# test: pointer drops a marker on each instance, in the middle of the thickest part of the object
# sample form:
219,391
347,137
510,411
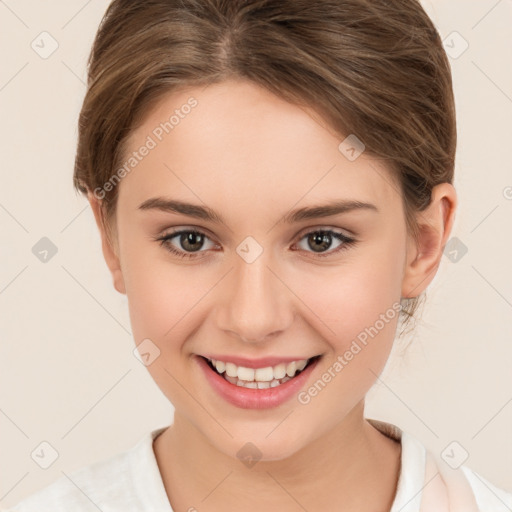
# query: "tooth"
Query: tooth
233,380
231,369
264,374
273,376
302,364
251,385
245,373
263,385
279,371
291,368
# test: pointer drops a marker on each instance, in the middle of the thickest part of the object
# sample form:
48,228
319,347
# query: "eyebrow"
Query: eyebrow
298,215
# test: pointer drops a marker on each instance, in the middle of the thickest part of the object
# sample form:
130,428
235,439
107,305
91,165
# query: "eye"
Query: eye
321,240
192,241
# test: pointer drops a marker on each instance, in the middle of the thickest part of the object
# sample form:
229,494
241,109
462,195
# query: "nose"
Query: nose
255,304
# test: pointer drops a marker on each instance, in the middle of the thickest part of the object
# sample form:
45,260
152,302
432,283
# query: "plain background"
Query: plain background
68,373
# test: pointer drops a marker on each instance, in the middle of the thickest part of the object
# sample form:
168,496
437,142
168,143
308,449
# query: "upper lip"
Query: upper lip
260,362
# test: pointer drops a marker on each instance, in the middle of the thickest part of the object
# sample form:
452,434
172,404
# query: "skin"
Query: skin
253,157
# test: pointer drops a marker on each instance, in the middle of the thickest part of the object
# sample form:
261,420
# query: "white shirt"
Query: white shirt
131,482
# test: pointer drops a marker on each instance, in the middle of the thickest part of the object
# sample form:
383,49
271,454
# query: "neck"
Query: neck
343,469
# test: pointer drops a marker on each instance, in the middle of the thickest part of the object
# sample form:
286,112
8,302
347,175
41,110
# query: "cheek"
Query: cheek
364,289
360,304
157,290
161,301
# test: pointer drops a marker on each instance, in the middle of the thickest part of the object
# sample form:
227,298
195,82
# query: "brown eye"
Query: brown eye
189,241
320,241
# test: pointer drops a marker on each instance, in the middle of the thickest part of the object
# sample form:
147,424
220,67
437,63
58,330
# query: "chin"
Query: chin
259,448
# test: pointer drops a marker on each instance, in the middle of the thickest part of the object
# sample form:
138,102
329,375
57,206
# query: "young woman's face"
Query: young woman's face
260,284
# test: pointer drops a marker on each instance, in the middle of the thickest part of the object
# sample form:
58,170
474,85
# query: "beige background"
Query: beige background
68,374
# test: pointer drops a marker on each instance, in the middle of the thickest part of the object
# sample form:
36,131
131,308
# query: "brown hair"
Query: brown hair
373,68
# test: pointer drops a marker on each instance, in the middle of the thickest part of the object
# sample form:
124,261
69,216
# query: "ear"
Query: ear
109,247
424,256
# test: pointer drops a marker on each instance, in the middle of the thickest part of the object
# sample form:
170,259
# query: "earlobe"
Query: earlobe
108,247
434,225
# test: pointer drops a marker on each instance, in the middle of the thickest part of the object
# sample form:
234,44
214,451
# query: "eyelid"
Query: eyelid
308,229
342,231
346,241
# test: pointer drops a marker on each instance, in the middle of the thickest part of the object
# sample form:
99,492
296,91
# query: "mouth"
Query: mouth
259,378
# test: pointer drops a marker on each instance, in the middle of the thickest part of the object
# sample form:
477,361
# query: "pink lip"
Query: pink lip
261,362
246,398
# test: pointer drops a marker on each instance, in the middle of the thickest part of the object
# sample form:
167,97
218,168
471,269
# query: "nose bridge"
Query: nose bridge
255,299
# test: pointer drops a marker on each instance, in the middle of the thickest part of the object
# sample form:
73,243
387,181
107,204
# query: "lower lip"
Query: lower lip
248,398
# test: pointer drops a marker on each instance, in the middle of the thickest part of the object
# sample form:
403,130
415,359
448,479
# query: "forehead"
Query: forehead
234,141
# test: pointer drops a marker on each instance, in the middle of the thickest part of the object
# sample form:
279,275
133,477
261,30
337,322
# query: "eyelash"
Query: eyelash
164,241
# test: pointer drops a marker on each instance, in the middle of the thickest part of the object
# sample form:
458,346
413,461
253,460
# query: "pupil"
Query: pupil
321,238
191,239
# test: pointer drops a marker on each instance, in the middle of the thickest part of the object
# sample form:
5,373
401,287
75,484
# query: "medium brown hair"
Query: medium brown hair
373,68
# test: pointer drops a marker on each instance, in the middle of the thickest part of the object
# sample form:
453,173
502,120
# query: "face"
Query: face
261,285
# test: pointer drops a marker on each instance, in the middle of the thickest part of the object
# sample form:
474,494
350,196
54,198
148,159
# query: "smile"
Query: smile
260,384
258,378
